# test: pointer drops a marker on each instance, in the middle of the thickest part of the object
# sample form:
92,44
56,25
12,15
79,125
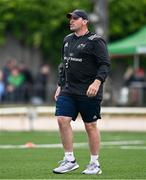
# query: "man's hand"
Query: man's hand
57,93
93,88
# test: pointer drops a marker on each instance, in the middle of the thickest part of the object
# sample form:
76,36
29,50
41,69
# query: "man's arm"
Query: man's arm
103,60
61,74
103,63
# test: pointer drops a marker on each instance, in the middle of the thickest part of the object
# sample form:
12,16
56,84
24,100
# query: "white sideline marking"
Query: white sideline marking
39,146
133,147
123,142
76,145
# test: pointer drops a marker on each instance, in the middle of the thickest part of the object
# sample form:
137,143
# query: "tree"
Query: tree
38,23
42,23
125,17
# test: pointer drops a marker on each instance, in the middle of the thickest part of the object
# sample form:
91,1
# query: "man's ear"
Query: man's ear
85,21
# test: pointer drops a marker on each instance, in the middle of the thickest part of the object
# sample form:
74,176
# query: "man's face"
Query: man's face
75,23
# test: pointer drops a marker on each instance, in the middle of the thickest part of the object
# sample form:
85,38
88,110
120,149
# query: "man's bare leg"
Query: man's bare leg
66,133
93,137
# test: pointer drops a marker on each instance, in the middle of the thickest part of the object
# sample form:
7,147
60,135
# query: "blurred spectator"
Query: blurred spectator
26,72
139,75
2,86
17,83
41,83
137,87
7,69
133,87
15,91
128,76
28,80
134,76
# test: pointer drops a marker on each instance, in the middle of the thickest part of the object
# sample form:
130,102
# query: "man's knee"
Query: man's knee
91,126
63,121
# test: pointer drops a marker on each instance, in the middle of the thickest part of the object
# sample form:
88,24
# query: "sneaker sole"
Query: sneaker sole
98,173
62,172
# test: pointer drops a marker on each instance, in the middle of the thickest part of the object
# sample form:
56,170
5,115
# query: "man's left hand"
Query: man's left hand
93,88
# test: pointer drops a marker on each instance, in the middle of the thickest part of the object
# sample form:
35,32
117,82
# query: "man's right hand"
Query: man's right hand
57,92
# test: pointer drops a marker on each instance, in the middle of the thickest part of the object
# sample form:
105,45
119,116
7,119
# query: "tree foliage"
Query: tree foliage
38,23
42,23
126,17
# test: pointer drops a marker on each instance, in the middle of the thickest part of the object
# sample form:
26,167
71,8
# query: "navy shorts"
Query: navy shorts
70,106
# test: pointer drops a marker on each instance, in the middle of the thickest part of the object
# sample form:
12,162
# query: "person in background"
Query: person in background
7,68
41,82
2,86
85,66
28,80
15,90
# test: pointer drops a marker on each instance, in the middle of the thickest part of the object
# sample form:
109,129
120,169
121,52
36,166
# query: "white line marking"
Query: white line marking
123,142
31,145
76,145
133,147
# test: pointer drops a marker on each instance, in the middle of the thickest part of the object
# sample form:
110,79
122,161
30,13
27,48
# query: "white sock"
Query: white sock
94,158
69,156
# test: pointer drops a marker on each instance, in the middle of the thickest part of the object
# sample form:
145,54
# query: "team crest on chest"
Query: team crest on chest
81,46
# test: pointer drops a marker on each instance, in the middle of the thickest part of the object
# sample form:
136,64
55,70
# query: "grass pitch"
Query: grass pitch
122,156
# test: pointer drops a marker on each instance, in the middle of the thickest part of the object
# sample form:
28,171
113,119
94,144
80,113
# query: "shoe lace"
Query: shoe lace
92,166
63,162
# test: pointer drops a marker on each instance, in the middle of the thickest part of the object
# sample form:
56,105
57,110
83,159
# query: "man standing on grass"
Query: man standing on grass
82,73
